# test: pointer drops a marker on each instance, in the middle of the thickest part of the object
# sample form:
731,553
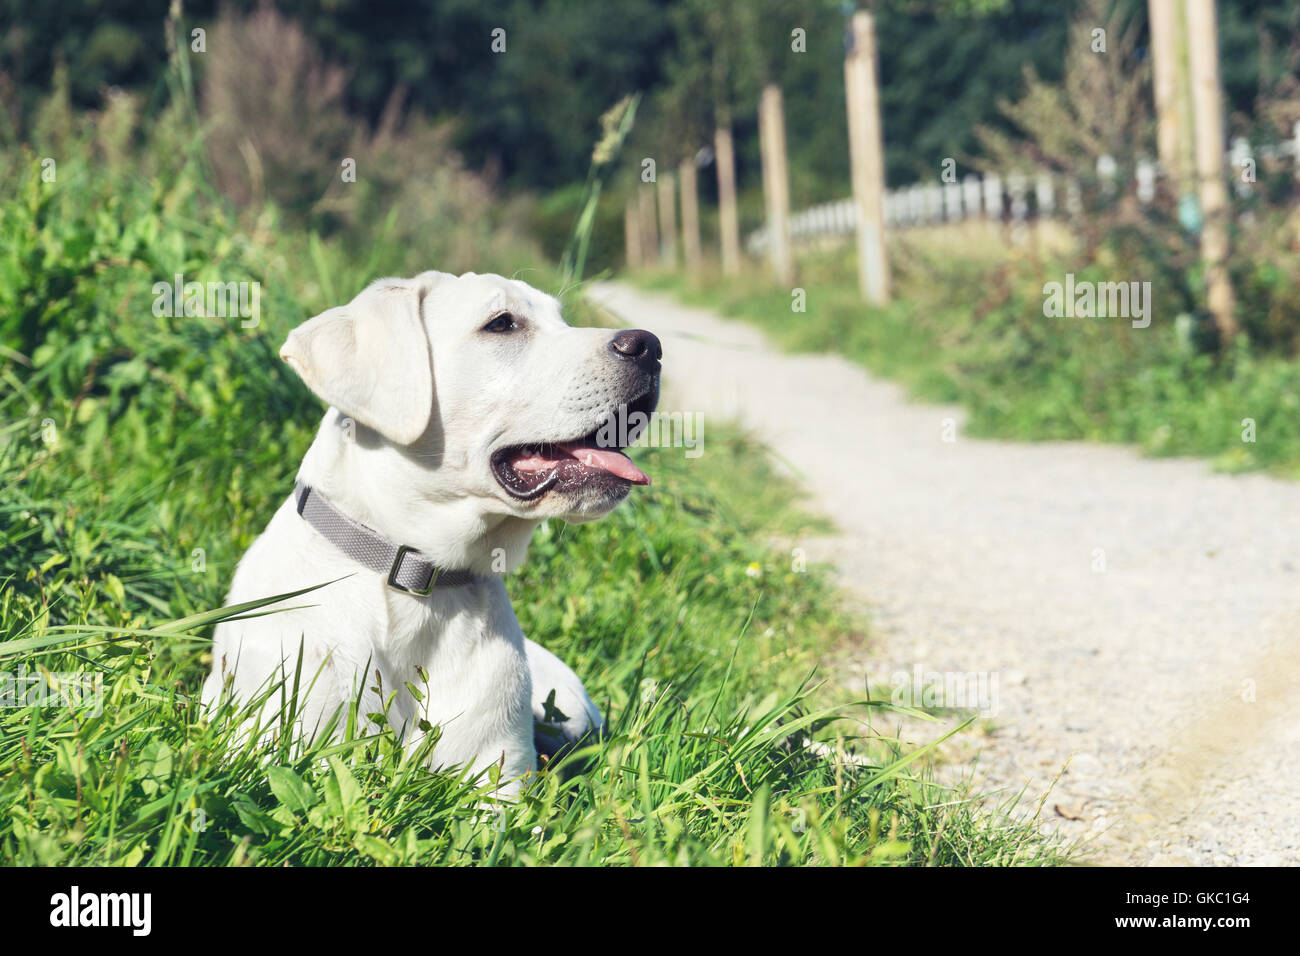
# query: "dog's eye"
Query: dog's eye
505,322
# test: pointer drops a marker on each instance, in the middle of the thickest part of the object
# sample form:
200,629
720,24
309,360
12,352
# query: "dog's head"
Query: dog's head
479,382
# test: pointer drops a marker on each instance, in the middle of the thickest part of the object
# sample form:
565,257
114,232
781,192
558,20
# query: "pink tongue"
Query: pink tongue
607,459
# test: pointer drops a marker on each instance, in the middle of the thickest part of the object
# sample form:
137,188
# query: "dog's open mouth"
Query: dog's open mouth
531,470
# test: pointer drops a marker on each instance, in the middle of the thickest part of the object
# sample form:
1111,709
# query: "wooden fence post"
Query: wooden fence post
1169,74
649,227
776,182
728,219
667,220
866,157
1203,45
690,216
632,238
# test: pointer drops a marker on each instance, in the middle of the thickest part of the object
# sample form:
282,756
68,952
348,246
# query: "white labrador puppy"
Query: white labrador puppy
464,411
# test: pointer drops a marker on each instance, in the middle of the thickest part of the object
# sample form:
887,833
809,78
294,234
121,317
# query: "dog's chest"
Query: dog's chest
461,650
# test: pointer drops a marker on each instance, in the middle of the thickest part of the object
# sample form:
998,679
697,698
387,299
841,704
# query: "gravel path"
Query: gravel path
1137,619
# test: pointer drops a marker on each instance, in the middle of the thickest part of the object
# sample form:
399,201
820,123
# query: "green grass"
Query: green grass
971,332
139,457
702,669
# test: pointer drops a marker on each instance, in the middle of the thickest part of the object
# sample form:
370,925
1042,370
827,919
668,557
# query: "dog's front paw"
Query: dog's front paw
554,730
563,714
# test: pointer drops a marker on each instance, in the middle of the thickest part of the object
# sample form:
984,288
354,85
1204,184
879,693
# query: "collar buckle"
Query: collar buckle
402,551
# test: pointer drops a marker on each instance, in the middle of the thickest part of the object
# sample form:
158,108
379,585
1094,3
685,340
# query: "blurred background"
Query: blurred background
471,129
412,88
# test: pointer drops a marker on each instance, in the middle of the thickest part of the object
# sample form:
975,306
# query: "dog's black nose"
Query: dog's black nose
639,346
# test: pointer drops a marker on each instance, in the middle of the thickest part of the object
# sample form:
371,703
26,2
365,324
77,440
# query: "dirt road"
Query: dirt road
1136,618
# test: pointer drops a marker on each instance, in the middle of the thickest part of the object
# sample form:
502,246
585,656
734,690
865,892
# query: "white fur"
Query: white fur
420,397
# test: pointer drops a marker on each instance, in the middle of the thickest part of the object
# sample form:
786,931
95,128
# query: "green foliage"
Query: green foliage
532,111
550,221
1099,108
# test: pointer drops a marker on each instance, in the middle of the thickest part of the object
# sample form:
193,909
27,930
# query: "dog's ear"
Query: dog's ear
370,358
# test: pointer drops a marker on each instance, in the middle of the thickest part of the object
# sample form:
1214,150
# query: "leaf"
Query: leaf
377,849
343,790
113,585
291,790
253,818
156,762
285,817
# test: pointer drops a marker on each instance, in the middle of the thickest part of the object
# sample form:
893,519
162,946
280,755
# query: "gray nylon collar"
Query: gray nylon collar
404,568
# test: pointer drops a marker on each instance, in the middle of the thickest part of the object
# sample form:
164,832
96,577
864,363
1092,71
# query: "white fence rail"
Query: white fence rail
1017,198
